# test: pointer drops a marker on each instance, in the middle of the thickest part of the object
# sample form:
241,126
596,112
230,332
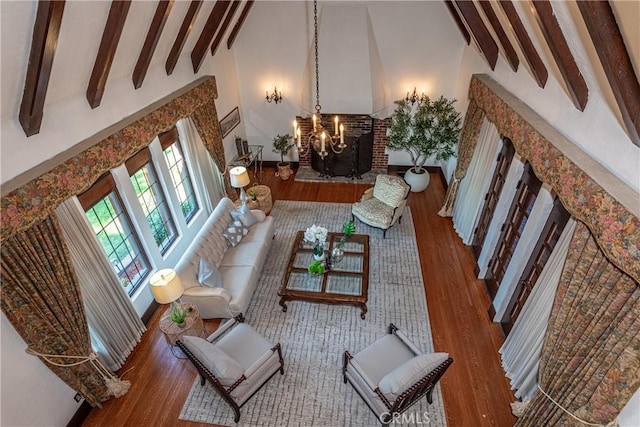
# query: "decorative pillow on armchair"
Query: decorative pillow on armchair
217,361
235,232
410,372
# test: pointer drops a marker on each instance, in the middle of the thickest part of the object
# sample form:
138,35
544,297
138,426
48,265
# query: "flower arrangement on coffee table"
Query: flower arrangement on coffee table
317,236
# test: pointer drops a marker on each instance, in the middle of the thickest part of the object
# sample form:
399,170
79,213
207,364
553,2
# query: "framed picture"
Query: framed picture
229,122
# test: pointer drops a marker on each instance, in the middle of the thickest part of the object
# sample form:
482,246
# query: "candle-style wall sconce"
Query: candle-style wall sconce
276,96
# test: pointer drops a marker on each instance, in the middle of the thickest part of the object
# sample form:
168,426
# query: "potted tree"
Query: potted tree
282,144
431,129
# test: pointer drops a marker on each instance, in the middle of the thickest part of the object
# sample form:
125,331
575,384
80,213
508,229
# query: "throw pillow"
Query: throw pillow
235,232
410,372
244,215
208,274
217,361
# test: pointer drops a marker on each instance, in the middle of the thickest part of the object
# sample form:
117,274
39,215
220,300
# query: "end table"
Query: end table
193,325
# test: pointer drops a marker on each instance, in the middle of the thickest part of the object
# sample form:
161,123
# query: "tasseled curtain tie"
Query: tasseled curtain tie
115,386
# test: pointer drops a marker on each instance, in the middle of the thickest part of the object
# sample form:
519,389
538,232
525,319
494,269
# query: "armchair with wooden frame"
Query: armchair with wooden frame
392,374
236,360
382,205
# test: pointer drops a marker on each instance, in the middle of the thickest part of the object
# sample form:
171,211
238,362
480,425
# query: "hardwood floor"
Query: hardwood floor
475,391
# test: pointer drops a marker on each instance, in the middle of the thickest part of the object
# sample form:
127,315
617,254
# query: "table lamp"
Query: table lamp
239,178
166,286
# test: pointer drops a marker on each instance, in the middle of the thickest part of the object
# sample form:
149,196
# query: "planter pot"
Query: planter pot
284,170
417,180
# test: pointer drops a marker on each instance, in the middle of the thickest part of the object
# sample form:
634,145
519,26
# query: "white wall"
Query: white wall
598,130
409,44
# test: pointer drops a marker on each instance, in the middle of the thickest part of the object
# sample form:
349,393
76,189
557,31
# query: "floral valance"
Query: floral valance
615,227
35,200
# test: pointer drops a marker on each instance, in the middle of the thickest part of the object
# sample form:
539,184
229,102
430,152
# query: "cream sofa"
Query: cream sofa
240,266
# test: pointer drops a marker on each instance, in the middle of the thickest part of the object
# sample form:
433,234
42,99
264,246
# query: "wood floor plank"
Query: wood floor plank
474,389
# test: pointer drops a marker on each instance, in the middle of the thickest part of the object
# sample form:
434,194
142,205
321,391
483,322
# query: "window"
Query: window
179,173
550,235
521,207
503,162
113,228
151,198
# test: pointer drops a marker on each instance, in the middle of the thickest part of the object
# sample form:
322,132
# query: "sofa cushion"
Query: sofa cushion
208,274
235,231
244,215
240,282
213,358
247,253
410,372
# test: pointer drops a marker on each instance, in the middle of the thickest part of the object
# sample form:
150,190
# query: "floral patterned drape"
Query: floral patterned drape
615,228
35,200
41,298
590,362
210,135
468,140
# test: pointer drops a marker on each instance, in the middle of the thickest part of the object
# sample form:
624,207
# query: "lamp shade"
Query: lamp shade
166,286
239,177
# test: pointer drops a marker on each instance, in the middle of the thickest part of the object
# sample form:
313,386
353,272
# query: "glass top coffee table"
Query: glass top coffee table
345,282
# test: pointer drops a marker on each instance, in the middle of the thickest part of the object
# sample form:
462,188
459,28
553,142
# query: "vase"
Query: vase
417,178
320,257
337,254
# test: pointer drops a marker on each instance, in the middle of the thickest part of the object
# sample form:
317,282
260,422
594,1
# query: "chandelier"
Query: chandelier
319,138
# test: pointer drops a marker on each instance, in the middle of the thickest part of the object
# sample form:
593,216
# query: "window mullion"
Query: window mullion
138,218
167,186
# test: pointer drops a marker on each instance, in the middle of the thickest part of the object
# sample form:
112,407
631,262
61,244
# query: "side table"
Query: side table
193,325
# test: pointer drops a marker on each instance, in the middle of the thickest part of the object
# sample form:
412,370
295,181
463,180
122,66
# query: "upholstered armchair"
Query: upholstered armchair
382,205
392,374
235,359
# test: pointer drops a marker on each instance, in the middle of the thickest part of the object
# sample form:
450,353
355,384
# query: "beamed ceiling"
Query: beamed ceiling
493,26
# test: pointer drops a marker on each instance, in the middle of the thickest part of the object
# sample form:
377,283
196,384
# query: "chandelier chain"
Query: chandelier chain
315,28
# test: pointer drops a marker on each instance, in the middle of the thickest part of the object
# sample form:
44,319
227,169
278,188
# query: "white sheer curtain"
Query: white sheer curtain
475,184
205,172
529,236
500,214
521,350
113,322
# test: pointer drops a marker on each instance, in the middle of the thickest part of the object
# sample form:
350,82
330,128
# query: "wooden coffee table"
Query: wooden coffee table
347,282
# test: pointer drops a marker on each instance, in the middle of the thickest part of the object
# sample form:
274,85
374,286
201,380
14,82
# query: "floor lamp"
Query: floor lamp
239,178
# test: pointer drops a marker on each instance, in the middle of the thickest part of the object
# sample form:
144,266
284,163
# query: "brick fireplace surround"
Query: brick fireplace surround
355,125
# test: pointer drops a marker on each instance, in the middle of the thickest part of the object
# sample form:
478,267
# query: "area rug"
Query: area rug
307,174
315,336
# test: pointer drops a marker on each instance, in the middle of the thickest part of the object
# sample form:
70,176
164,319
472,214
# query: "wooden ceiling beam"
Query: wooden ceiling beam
238,26
458,21
607,39
578,91
183,34
480,32
538,68
509,51
155,30
107,50
209,30
225,25
43,48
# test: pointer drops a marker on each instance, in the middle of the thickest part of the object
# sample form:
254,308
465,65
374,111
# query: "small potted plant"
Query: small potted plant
253,194
316,268
178,314
432,129
282,144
